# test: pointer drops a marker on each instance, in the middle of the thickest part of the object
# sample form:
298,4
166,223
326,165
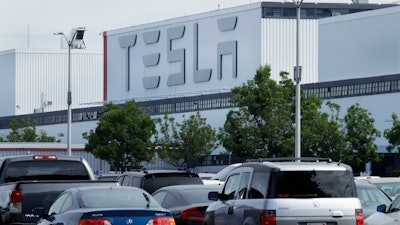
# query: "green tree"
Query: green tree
25,131
185,144
360,134
262,123
321,132
333,142
393,134
122,136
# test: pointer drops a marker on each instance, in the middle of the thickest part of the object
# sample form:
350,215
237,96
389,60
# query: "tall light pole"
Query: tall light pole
74,42
297,79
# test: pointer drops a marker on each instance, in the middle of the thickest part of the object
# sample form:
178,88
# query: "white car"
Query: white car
385,215
220,177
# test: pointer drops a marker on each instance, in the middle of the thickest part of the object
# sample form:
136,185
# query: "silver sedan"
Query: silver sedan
386,215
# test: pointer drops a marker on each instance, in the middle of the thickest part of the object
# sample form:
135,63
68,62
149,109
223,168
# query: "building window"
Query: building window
272,12
323,13
368,88
289,12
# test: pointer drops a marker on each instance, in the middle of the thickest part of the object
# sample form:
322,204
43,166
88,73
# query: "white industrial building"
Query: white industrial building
190,63
358,57
35,81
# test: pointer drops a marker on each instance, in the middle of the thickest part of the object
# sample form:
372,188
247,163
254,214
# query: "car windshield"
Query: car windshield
116,198
371,196
312,184
222,174
391,188
153,182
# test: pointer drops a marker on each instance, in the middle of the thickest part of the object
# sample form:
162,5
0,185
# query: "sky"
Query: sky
32,23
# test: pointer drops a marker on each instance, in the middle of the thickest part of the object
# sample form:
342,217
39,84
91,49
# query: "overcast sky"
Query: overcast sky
32,23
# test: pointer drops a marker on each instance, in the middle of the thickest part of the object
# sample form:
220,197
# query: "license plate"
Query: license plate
316,223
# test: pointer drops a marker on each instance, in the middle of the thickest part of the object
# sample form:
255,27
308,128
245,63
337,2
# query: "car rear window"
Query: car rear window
45,170
116,198
153,182
312,184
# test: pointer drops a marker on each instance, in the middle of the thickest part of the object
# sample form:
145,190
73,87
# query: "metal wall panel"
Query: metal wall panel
42,76
359,45
7,84
278,38
214,52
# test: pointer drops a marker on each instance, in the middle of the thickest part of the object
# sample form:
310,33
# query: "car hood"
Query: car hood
379,218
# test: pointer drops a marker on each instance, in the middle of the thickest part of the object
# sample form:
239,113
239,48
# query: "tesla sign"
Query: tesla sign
177,55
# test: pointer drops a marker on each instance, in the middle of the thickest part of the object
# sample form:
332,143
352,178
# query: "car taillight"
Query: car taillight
268,217
16,201
192,214
44,157
98,221
161,221
359,217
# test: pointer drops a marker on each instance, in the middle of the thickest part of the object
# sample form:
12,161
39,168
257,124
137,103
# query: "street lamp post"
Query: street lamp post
297,79
76,42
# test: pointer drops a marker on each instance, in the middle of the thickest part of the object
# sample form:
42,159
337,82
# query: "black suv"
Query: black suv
152,180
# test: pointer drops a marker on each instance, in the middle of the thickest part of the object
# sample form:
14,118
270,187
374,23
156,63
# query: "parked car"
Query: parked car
105,205
371,196
220,177
108,176
29,181
390,185
386,215
152,180
186,202
287,191
206,175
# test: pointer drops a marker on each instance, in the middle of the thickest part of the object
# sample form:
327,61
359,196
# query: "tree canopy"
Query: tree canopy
262,123
185,144
360,136
393,134
25,131
122,136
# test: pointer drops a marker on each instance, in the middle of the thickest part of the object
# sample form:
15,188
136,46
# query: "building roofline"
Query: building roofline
242,8
327,5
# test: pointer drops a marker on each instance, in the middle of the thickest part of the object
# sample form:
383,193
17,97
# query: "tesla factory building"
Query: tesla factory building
190,64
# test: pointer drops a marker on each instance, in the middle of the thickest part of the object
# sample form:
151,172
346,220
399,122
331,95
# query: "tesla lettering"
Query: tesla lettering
178,56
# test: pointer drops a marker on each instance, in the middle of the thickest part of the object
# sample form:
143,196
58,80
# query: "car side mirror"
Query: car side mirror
213,196
381,208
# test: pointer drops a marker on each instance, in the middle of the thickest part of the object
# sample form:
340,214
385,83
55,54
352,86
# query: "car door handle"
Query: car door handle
337,213
230,210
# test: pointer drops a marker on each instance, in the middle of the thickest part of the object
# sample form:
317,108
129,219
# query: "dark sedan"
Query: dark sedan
106,205
186,202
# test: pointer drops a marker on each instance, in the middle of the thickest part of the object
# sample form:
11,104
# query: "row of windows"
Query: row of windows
306,13
187,106
61,117
342,89
379,87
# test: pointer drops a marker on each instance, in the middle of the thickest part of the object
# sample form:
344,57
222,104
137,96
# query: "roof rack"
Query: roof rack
291,159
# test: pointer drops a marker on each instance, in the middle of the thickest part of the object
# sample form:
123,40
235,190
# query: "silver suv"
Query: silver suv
287,191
